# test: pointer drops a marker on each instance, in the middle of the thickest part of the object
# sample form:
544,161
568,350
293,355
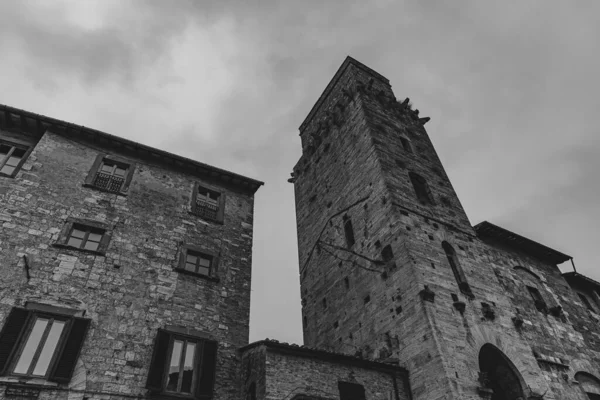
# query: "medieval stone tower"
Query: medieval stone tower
392,270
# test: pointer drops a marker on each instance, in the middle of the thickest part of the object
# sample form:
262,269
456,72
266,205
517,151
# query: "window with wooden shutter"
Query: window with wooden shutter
110,174
182,365
208,203
42,345
12,157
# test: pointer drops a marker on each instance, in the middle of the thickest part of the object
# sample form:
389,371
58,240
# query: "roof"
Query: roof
583,278
486,230
305,351
38,124
347,63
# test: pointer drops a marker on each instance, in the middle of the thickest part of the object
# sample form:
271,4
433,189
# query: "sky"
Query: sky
511,88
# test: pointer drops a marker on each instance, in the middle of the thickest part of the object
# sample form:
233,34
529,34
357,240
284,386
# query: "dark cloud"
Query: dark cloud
511,89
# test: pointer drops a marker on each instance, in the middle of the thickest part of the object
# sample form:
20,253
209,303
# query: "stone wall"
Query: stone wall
132,290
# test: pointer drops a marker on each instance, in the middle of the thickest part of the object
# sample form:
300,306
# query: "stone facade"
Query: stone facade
390,266
132,288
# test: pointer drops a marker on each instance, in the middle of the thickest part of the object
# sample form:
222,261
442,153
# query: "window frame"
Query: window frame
194,209
64,354
171,333
539,303
100,160
70,223
424,196
15,144
457,270
214,267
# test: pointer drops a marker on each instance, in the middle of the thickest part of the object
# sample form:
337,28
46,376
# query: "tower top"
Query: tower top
347,66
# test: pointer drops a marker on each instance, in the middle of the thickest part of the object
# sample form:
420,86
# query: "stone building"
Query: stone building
391,268
125,272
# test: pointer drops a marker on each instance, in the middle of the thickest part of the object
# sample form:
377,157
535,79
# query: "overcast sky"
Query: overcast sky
512,88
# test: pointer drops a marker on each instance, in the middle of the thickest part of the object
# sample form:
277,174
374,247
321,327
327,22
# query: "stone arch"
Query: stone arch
589,384
499,374
513,347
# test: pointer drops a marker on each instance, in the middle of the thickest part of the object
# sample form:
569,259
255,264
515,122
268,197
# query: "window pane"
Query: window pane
190,267
74,242
107,168
13,161
188,368
94,237
7,170
19,153
91,245
77,233
204,262
119,172
4,149
191,259
204,271
174,366
31,346
43,361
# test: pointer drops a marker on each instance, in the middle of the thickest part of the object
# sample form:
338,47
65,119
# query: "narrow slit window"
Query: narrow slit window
457,270
348,232
422,190
11,157
406,144
537,298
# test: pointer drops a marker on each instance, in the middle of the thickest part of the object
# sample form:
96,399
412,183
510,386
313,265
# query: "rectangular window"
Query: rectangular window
198,262
41,344
11,158
85,237
421,188
348,232
406,144
182,365
351,391
110,174
208,203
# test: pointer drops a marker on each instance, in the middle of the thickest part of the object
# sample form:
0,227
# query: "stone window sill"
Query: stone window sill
90,186
67,247
214,221
206,277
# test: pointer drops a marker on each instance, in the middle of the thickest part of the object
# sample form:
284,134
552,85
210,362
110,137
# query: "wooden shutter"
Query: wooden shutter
221,212
69,353
128,178
159,361
11,333
351,391
104,242
89,180
206,381
195,187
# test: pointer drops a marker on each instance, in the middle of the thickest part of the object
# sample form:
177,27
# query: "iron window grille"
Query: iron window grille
11,158
208,203
110,174
41,344
182,365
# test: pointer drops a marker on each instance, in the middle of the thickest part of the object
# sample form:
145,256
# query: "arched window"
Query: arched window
421,188
589,384
498,373
459,275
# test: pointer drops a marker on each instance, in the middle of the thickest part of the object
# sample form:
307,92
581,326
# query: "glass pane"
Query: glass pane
77,233
31,346
19,153
188,368
191,259
4,149
49,347
107,168
91,245
190,267
74,242
13,161
120,172
174,366
94,237
204,262
7,170
204,271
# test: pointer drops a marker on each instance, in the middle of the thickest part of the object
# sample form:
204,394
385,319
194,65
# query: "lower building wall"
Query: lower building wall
291,375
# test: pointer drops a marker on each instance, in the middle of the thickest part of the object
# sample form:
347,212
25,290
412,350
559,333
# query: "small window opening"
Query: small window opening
387,254
348,232
347,282
537,298
457,270
406,144
367,299
324,303
351,391
421,188
85,237
304,322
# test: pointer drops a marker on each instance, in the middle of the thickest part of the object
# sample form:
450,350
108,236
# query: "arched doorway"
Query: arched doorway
500,374
589,384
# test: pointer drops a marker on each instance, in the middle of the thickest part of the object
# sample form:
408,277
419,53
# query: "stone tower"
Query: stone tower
391,268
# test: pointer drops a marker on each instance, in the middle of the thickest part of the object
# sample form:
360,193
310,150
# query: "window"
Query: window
208,203
12,157
351,391
537,298
348,232
421,188
84,235
406,144
586,301
197,261
110,174
457,270
183,364
36,343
